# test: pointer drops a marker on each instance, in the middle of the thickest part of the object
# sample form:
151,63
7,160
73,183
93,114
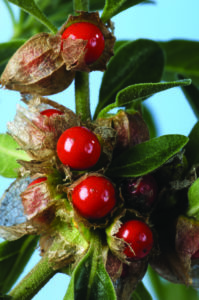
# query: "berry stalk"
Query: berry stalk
34,281
82,98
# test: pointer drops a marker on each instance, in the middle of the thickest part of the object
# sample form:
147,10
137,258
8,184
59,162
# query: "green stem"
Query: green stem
156,284
82,95
81,5
34,281
82,99
106,109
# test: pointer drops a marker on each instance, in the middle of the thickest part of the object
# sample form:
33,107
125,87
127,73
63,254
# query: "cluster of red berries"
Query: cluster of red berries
95,196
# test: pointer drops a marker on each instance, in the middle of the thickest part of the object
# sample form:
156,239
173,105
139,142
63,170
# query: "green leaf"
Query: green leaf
57,12
14,256
193,196
147,157
142,90
140,61
141,293
89,279
7,50
119,44
191,149
192,94
31,7
113,7
9,153
182,58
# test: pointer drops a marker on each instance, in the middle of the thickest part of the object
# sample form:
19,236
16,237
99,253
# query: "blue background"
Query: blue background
163,21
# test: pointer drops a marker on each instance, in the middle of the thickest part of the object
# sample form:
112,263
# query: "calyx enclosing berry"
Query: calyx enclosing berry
78,148
91,34
138,239
94,197
86,43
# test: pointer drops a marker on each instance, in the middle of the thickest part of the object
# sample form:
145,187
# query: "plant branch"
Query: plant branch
82,95
82,98
81,5
34,281
106,109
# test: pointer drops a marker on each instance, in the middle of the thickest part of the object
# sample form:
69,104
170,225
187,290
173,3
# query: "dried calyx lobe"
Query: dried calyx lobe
37,67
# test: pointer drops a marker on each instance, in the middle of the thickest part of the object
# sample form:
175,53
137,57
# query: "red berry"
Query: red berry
143,189
79,148
51,112
91,33
38,180
139,237
94,197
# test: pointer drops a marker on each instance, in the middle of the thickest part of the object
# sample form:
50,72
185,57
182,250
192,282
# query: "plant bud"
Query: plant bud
37,67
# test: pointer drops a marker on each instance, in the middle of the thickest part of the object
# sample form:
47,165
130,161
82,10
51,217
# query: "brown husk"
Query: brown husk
37,67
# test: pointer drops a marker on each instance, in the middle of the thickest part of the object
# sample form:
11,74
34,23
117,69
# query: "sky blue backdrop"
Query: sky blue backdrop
166,20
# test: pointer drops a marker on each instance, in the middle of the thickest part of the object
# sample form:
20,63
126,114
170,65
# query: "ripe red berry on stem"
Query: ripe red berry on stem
139,237
79,148
51,112
38,180
94,197
91,33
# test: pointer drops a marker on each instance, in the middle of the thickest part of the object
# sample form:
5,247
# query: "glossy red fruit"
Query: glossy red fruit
51,112
143,189
139,237
38,180
94,197
79,148
91,33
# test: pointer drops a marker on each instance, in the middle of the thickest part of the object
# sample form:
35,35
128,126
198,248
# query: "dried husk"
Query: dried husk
37,67
174,262
125,286
125,277
131,129
37,134
35,199
107,138
73,51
